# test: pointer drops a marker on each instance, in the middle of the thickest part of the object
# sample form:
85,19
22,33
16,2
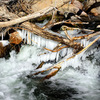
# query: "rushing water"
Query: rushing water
78,79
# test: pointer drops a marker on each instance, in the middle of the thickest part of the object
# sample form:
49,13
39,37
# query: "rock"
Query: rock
15,38
3,50
78,4
5,1
92,6
41,4
70,8
95,12
6,49
1,45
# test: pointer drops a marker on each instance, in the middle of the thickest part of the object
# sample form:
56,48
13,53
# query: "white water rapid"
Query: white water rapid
78,79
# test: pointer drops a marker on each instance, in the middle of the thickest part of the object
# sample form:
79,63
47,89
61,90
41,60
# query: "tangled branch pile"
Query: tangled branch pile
65,14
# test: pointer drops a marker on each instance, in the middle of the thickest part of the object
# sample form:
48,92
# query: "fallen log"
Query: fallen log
45,34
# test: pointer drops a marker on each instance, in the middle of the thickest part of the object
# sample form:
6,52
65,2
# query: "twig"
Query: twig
64,29
56,50
59,64
64,22
86,36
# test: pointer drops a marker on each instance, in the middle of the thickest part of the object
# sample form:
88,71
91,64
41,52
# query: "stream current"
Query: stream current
78,79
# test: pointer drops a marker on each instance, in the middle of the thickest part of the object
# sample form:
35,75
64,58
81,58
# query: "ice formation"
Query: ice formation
48,56
80,73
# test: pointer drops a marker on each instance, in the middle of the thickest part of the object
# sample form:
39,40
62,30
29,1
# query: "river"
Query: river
78,79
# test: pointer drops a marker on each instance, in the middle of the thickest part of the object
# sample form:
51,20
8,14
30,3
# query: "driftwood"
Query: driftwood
45,34
25,18
30,16
64,22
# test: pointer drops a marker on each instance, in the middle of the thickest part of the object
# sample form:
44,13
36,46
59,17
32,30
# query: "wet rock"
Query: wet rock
15,38
5,49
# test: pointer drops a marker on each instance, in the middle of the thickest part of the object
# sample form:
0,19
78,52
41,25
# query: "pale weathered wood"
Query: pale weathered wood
25,18
88,36
32,16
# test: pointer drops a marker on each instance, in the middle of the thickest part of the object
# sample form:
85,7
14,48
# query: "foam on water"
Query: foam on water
80,73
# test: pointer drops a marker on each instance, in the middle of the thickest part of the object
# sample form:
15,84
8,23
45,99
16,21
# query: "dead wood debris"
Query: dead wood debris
22,14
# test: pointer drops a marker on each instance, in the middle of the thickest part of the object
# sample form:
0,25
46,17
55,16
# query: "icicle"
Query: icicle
50,44
43,58
47,57
63,52
25,36
28,38
39,42
4,42
47,42
20,33
43,42
57,56
33,38
52,56
2,35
